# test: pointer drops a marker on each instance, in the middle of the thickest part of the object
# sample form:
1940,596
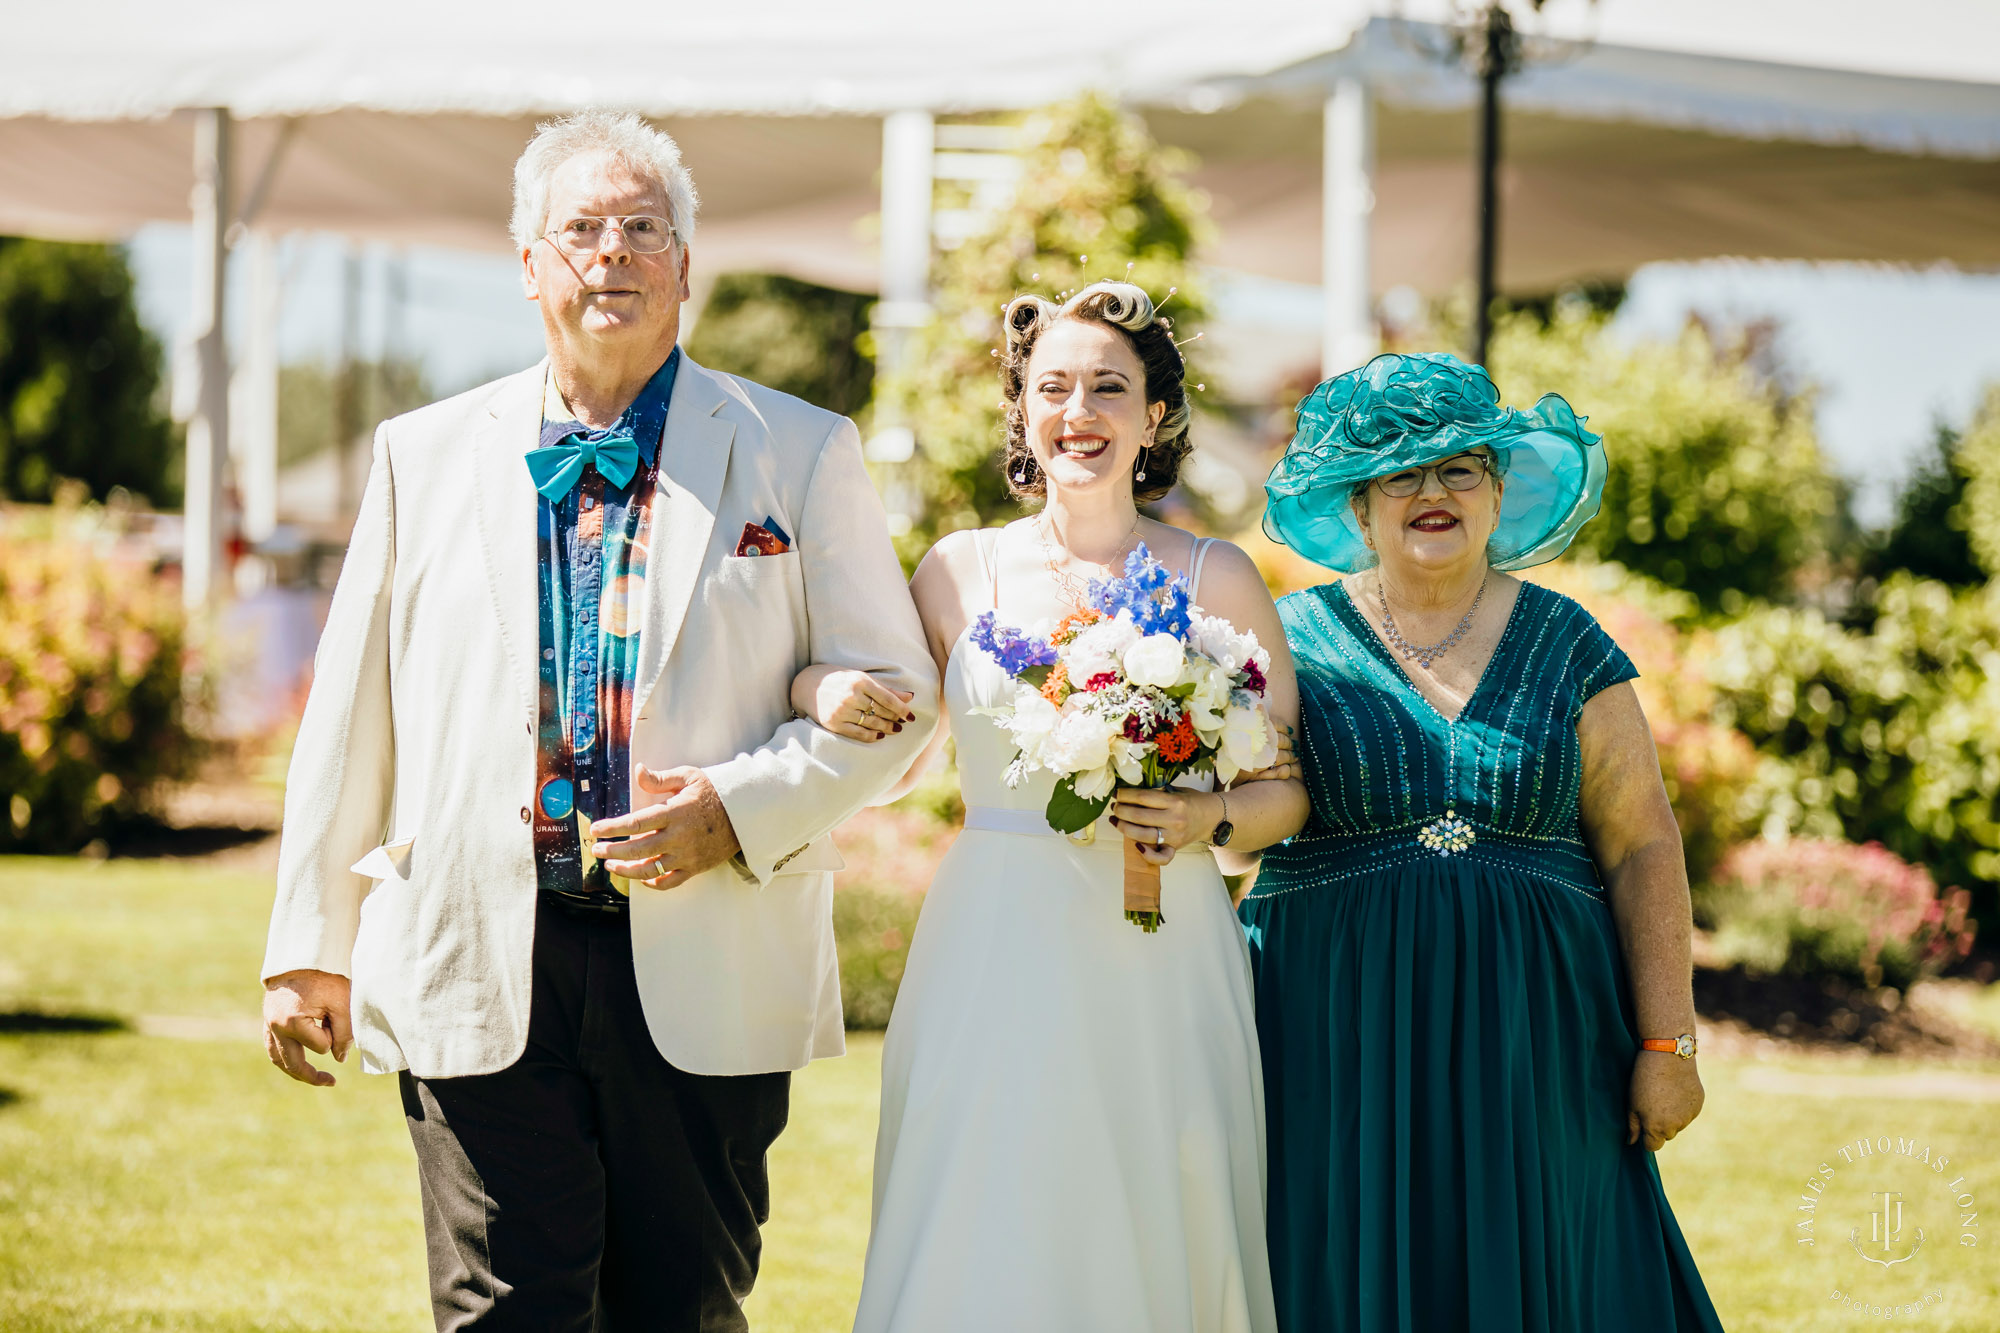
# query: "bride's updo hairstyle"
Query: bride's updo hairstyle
1127,308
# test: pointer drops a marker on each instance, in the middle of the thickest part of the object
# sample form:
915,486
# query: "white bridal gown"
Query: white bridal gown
1072,1129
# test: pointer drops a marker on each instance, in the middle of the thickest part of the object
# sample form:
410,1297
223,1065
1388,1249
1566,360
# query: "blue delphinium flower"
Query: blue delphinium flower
1011,648
1153,599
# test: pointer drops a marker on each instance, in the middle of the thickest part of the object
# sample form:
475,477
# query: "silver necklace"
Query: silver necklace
1424,656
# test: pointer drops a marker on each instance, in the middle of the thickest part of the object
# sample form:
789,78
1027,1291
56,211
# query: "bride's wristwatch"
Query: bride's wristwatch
1219,836
1683,1045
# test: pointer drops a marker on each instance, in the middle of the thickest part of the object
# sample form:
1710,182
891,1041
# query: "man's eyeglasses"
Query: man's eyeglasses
1460,472
644,234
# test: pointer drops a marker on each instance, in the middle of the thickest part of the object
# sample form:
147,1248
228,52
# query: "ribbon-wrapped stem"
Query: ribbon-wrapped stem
1142,889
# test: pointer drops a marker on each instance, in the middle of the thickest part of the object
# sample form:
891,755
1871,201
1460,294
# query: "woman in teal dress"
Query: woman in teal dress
1472,965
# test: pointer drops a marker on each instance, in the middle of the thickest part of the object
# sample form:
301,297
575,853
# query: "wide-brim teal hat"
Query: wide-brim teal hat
1405,411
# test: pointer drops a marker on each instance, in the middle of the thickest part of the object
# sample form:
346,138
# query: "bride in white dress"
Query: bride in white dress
1072,1132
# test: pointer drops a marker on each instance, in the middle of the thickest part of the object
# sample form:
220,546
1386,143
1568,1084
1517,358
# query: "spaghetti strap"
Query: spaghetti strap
989,563
1201,546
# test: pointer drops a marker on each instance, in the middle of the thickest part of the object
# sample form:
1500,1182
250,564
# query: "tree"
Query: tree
1927,538
1717,483
314,398
1978,456
794,336
79,377
1095,194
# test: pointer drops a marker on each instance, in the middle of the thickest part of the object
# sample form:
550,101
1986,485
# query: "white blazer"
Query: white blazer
407,861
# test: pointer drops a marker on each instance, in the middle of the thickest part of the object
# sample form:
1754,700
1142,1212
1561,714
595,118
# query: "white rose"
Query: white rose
1215,637
1155,660
1098,648
1129,758
1034,718
1081,740
1209,700
1096,784
1246,743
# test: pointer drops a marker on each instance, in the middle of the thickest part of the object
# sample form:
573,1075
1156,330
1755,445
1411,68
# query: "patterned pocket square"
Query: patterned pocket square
757,539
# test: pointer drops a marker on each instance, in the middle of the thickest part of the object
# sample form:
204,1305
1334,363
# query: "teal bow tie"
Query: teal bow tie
556,467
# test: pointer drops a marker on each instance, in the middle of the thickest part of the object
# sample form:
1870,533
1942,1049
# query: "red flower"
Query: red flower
1103,680
1177,743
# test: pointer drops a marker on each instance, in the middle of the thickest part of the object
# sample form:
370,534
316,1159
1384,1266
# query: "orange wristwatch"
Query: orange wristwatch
1683,1045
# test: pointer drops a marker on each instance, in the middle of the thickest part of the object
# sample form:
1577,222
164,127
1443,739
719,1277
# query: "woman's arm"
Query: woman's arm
1630,829
948,591
1262,812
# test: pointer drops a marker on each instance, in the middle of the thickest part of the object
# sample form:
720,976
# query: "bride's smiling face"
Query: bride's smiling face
1084,406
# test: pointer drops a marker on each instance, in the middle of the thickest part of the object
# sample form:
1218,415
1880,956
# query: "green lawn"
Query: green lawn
156,1173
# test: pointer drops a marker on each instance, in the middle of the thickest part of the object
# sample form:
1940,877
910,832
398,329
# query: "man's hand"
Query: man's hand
671,841
306,1011
1666,1097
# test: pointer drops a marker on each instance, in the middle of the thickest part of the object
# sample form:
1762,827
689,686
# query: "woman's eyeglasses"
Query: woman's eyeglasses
1460,472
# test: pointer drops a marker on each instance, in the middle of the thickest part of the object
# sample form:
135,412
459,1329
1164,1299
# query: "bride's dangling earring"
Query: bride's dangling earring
1140,475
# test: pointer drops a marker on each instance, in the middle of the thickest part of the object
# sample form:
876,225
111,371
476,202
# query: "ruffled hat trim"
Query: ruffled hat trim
1402,411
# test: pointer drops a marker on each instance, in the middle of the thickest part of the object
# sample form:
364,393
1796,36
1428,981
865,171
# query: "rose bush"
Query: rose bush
1832,909
92,659
1888,736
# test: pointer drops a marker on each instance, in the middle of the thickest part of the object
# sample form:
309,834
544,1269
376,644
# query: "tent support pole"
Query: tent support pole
909,142
254,414
1348,204
208,426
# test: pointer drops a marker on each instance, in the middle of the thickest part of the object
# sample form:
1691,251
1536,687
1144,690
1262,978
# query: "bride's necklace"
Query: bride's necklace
1424,656
1073,588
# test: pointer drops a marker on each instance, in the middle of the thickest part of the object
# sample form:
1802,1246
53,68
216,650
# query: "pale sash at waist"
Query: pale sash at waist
1005,819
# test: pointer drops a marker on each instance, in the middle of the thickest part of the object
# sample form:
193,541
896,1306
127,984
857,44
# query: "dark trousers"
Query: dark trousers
591,1186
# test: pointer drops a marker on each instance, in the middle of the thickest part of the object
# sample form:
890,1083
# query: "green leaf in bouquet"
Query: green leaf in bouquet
1070,813
1036,676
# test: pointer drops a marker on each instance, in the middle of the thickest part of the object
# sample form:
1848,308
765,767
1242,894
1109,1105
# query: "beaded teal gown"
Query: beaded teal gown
1447,1031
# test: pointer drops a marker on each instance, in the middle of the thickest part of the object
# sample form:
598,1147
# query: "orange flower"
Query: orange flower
1056,688
1067,627
1177,745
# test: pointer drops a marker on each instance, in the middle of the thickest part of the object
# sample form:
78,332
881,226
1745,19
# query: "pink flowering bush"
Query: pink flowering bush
1834,909
91,664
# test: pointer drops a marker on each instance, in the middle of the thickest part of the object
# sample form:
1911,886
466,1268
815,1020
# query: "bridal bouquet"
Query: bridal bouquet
1139,687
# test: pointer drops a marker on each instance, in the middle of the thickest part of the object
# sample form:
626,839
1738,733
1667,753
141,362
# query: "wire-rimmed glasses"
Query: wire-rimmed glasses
583,236
1460,472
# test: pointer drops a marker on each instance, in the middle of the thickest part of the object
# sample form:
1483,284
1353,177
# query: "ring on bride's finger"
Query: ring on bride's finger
1159,837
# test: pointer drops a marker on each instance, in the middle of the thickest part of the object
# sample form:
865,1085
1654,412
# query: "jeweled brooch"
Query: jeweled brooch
1447,835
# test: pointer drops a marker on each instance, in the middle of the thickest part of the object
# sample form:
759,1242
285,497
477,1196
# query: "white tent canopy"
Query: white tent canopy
1331,141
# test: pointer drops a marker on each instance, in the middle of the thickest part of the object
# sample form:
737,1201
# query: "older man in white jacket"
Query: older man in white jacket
567,629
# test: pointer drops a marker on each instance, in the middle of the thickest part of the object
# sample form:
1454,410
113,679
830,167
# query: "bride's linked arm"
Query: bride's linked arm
1261,812
855,705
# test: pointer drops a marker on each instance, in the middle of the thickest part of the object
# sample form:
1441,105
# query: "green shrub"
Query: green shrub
1833,910
92,652
1708,769
1093,184
1891,736
79,377
796,337
1977,456
1717,484
872,929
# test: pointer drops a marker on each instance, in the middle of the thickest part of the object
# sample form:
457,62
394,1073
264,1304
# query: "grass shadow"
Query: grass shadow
141,838
8,1097
35,1023
1816,1012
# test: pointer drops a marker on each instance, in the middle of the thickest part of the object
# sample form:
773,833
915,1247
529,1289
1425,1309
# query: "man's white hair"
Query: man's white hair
622,135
